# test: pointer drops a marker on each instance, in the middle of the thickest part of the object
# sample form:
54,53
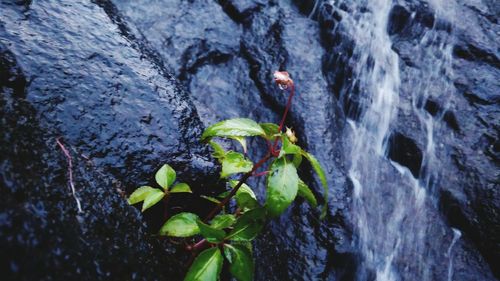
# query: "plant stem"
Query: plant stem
272,152
198,245
235,189
165,200
282,123
288,105
261,174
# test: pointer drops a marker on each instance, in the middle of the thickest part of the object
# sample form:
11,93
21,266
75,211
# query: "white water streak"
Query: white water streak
400,232
456,235
377,72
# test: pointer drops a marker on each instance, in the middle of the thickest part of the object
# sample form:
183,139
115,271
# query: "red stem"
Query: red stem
261,174
200,244
282,123
272,152
235,189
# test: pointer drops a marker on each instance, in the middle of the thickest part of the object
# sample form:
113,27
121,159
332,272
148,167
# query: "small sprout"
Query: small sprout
149,195
291,135
165,177
227,231
282,78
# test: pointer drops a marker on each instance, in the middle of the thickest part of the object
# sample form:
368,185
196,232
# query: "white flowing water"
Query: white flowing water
456,235
381,83
392,214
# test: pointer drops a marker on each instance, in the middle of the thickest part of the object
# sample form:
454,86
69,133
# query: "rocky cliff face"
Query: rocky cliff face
96,74
74,72
468,188
444,132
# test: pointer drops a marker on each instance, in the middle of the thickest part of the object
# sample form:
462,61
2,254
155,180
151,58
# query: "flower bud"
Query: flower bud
291,135
282,78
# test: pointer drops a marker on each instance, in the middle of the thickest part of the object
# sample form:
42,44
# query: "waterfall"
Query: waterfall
391,207
377,72
456,235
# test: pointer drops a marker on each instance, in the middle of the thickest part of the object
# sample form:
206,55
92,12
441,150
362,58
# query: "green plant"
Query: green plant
229,235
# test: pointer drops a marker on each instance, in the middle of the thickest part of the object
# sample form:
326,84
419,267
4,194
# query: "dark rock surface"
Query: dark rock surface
97,75
465,115
73,71
468,113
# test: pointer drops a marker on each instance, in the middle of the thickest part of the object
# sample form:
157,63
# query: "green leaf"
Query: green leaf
245,197
211,199
248,225
305,191
297,160
234,163
206,267
219,152
246,244
322,177
180,188
165,176
153,197
241,262
223,194
181,225
282,186
223,221
242,127
288,147
213,235
271,130
242,141
139,194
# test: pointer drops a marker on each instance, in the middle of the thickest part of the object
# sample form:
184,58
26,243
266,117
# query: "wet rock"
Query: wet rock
212,85
404,151
466,132
241,10
398,19
73,72
94,74
269,39
175,30
411,24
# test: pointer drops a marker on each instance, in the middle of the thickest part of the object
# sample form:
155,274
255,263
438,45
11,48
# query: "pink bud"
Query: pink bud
282,78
